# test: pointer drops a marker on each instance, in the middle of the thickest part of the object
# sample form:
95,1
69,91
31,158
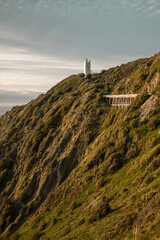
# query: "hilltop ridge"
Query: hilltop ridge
73,167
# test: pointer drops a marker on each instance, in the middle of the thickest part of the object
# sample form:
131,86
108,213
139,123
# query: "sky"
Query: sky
44,41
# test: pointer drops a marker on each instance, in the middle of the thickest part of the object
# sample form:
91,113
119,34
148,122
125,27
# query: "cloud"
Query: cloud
22,70
144,8
44,41
48,7
21,66
9,99
13,97
5,108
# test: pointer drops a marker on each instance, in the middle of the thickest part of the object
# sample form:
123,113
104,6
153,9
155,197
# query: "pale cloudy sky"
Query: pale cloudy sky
44,41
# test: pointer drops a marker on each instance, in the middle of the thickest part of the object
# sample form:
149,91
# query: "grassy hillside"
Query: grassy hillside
73,167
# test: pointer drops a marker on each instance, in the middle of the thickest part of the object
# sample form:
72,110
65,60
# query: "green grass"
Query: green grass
69,154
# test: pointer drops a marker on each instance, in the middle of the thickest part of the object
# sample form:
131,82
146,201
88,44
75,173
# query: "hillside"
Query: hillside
73,167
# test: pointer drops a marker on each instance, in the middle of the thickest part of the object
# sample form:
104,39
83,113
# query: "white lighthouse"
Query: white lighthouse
87,67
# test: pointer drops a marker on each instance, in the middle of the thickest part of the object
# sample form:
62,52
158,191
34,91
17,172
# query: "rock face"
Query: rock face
148,107
73,167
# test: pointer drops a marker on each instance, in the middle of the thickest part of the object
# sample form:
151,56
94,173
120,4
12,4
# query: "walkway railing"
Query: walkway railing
121,100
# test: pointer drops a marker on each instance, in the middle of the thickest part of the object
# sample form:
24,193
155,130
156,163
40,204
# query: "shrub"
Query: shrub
7,215
35,236
89,76
15,236
65,230
132,152
153,123
81,75
43,226
3,176
102,72
53,221
100,210
80,222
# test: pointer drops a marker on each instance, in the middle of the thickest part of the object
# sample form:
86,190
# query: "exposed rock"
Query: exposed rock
147,108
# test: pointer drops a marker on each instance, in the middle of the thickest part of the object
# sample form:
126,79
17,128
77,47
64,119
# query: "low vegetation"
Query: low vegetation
73,167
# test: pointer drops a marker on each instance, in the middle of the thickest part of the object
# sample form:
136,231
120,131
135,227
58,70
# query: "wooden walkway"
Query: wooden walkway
121,100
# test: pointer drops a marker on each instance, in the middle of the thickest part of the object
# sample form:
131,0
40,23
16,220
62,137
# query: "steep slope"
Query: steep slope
73,167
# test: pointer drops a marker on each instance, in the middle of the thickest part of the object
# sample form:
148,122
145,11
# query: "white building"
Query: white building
87,67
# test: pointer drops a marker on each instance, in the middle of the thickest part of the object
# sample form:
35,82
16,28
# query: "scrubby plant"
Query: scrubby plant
74,167
35,236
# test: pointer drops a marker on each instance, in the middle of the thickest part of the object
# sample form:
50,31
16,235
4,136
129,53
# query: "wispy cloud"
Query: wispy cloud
43,41
145,8
65,6
24,70
8,99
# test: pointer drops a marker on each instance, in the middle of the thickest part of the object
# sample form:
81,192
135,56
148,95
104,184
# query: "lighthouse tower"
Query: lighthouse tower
87,67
